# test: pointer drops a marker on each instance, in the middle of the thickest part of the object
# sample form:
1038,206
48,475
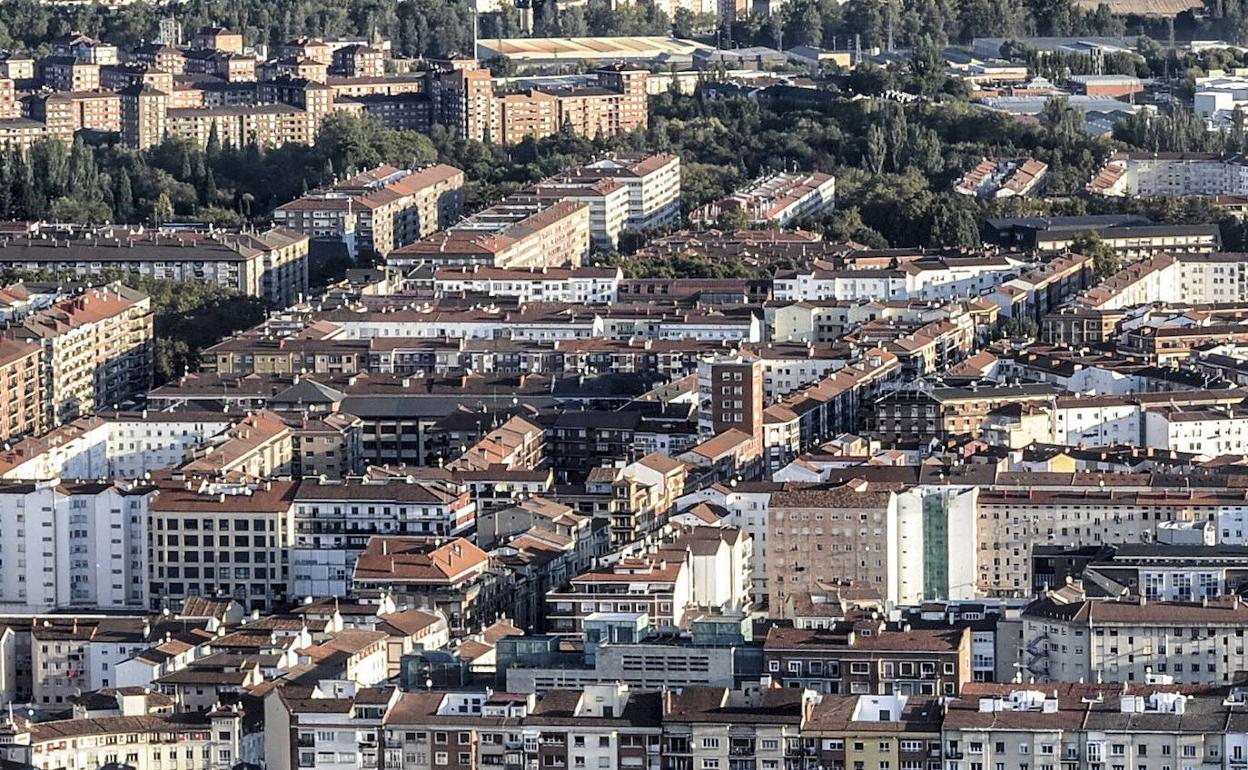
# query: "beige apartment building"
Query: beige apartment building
212,539
1069,637
261,445
272,265
267,125
1013,521
828,535
96,350
21,381
379,210
538,234
67,112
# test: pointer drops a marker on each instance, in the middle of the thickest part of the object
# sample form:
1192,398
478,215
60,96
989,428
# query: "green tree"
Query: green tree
1105,261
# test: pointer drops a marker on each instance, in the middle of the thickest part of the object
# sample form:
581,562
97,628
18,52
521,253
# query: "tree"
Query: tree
953,226
1105,261
876,151
123,199
163,210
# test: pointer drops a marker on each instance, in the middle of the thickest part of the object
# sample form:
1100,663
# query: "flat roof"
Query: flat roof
597,48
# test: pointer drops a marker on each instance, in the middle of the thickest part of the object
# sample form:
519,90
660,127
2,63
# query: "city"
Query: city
654,385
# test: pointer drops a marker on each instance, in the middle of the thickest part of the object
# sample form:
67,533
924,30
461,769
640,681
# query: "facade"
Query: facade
95,557
334,520
379,210
271,265
95,350
866,656
511,234
21,377
222,540
1066,636
776,200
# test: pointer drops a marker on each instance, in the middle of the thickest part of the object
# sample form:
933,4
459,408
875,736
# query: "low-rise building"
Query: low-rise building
775,200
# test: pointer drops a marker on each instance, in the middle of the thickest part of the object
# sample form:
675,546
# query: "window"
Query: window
710,743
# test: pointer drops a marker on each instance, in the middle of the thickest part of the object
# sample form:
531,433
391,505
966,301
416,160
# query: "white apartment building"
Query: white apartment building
1068,638
652,181
333,521
1209,432
1142,726
72,545
928,278
775,200
581,285
746,505
1175,174
142,442
336,726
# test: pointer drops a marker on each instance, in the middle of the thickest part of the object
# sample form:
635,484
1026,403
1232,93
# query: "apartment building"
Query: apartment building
1171,174
95,350
333,521
922,276
267,125
867,656
1068,636
774,200
144,115
607,201
379,210
65,113
924,413
447,574
142,740
67,73
468,103
511,234
258,446
702,570
22,411
73,545
652,181
572,285
607,726
1012,521
1145,725
334,725
271,265
211,539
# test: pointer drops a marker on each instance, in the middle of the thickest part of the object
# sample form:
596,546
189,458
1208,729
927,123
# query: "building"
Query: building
573,285
271,265
21,377
334,520
1003,178
1145,725
379,210
469,105
216,540
95,350
1067,636
447,574
73,545
866,656
775,200
511,234
926,414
